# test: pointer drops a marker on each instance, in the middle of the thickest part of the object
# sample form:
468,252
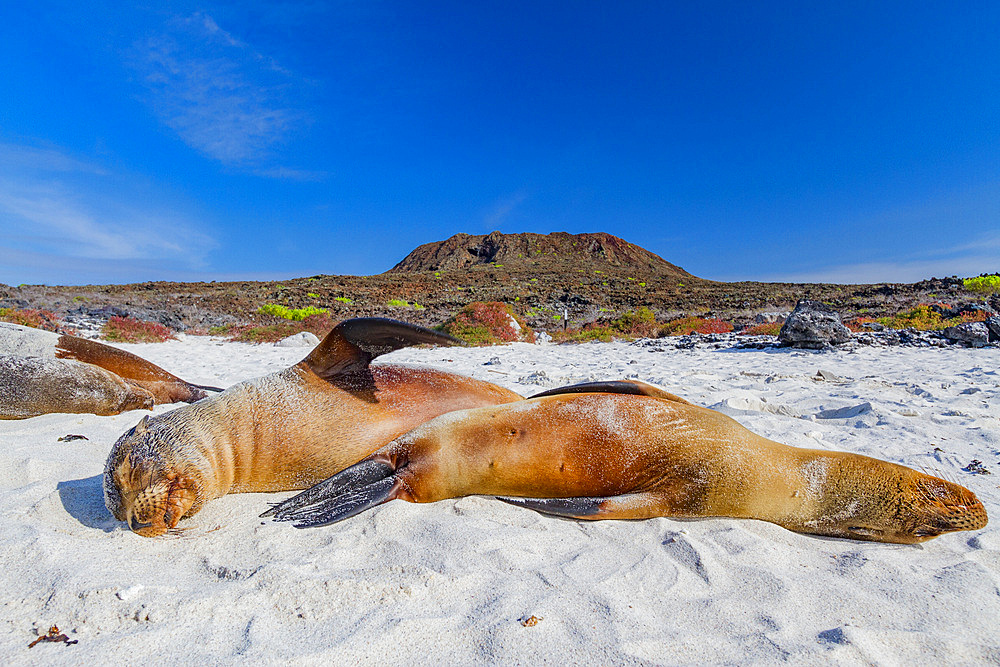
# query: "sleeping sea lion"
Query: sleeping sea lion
32,386
163,386
287,430
635,455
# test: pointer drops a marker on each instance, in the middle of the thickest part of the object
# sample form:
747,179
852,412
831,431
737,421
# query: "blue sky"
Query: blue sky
847,142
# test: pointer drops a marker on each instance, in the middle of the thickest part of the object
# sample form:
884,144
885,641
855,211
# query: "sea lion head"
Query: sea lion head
142,485
886,502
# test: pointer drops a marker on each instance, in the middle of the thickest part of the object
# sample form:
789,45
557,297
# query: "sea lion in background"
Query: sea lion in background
163,386
287,430
32,386
648,454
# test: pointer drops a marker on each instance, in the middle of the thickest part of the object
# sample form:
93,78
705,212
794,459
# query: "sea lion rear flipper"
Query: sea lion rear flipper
343,356
627,506
634,387
349,492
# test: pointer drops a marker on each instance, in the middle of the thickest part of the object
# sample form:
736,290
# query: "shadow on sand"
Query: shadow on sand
84,500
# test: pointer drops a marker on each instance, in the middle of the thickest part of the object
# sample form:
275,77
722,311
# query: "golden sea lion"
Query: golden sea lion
32,386
287,430
163,386
619,456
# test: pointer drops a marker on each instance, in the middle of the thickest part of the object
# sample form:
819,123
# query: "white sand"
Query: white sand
449,582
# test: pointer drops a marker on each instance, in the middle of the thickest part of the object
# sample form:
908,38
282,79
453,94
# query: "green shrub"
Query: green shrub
983,284
344,299
294,314
398,303
765,329
588,333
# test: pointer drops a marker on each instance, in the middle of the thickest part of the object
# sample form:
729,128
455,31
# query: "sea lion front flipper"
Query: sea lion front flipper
344,355
627,506
634,387
351,491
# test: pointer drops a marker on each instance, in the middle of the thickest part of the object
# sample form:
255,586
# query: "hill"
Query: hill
558,252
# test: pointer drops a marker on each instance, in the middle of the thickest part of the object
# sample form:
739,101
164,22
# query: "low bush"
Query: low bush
131,330
293,314
37,319
983,284
318,324
695,325
765,329
926,318
488,323
588,333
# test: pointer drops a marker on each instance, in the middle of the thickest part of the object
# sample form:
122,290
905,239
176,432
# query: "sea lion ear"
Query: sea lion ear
344,355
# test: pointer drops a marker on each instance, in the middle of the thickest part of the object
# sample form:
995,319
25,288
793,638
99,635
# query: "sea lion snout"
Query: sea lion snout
940,506
141,487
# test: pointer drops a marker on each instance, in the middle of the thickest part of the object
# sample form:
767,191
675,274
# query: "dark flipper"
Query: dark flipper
349,492
360,474
634,387
206,387
626,506
573,508
344,355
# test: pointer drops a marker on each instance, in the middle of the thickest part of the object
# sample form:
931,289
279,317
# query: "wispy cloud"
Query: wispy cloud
981,255
57,210
497,215
219,94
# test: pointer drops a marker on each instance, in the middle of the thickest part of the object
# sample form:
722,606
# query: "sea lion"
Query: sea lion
287,430
25,341
635,455
32,386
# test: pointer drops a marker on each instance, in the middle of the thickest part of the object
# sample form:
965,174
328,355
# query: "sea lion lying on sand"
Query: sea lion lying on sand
32,386
162,386
287,430
635,455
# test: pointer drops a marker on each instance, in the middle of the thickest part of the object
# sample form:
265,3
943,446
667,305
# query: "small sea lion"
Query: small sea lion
287,430
165,387
635,455
32,386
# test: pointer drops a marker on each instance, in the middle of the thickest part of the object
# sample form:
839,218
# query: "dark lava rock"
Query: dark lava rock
813,325
974,334
993,325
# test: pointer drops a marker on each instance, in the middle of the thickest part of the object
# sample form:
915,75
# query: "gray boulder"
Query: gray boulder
974,334
993,325
813,325
301,339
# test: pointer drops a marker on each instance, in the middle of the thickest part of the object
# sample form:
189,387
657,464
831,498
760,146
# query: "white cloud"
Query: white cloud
221,96
57,210
502,209
971,258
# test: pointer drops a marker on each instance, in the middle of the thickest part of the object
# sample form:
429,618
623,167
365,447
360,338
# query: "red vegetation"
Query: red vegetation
488,323
130,330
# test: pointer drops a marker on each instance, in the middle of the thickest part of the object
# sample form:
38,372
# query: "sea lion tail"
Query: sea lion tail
351,491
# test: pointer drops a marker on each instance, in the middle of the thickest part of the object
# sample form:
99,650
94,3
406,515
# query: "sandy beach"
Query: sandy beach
455,582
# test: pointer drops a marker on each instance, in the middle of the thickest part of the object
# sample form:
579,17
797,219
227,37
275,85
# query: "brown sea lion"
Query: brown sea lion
163,386
287,430
619,456
32,386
